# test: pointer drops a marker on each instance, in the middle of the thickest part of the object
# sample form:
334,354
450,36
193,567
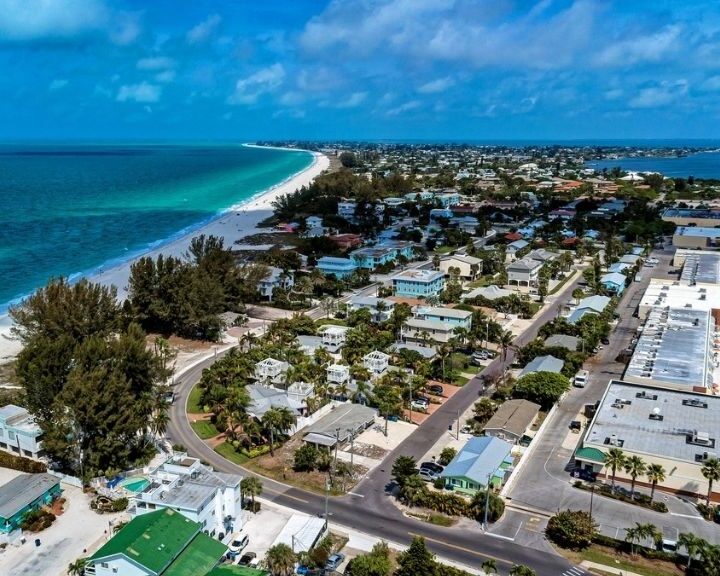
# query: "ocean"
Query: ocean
71,209
700,165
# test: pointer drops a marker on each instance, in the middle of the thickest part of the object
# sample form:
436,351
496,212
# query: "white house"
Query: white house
376,362
469,266
313,222
276,278
196,491
346,210
418,330
19,434
380,308
524,272
333,337
271,371
337,374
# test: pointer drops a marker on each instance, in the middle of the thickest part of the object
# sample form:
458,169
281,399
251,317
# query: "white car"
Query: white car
580,379
238,543
419,404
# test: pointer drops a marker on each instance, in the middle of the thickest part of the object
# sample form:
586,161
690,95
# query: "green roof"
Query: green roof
201,556
152,540
235,570
590,454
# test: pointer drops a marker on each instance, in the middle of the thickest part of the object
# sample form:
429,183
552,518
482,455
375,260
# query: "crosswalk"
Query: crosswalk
575,571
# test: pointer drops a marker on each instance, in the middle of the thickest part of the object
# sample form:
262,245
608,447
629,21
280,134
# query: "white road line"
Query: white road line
508,538
356,494
693,516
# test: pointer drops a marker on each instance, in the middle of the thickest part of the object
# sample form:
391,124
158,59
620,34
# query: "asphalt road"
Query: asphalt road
368,509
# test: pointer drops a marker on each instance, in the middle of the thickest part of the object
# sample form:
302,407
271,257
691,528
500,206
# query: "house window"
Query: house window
11,435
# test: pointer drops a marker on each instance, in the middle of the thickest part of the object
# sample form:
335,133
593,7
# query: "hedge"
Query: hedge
20,463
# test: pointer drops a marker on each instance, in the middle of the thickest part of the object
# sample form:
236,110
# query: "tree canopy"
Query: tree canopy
545,388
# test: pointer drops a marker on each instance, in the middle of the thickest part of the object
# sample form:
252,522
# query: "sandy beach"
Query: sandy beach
239,221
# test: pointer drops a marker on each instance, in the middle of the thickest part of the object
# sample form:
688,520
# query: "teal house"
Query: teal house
338,267
419,283
483,460
23,494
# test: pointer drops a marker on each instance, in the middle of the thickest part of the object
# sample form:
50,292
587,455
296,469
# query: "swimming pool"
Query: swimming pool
135,483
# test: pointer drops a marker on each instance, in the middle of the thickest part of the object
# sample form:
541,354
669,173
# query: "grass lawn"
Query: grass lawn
445,249
204,429
193,403
460,381
472,369
482,282
334,321
228,452
435,518
637,564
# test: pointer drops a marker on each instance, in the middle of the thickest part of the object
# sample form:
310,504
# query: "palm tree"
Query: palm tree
252,487
711,470
614,459
634,466
520,570
77,568
505,341
632,535
692,544
280,560
489,566
277,419
655,473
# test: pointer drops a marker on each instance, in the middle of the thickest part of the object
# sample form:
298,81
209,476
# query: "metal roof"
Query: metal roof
563,340
514,416
701,267
543,364
479,458
23,490
353,416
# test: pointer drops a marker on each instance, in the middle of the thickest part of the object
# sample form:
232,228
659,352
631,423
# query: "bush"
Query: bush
659,506
439,483
21,464
496,507
305,458
572,529
120,504
37,520
255,452
447,455
545,388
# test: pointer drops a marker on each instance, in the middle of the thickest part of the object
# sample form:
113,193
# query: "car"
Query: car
436,389
427,475
334,561
419,404
585,475
576,425
248,559
580,379
302,570
432,466
238,543
605,341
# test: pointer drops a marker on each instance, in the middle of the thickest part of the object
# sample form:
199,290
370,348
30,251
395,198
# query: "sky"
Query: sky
359,69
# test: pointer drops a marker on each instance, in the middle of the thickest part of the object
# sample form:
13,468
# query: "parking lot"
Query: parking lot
418,416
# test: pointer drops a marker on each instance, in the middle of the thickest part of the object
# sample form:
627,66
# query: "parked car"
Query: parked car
605,341
249,559
427,475
239,543
585,475
576,425
419,404
580,379
432,466
334,561
302,570
436,389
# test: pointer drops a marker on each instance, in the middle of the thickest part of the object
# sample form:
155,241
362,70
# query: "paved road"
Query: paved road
368,509
544,482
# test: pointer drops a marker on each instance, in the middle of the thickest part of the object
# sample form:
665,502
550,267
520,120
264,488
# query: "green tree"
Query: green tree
280,560
278,420
693,545
655,473
489,566
77,568
711,471
447,454
505,341
571,529
545,388
305,458
634,466
413,491
251,486
483,410
614,459
417,560
520,570
496,506
375,563
403,468
578,294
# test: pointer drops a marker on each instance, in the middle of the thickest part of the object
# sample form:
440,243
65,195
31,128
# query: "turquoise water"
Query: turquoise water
68,209
701,165
135,483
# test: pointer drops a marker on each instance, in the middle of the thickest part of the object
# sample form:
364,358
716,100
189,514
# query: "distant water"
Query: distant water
701,165
68,209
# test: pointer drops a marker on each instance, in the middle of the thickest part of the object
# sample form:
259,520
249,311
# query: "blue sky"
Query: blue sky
359,69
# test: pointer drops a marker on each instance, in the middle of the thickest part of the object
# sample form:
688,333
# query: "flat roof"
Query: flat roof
690,213
683,425
354,416
419,275
703,267
701,231
677,295
22,490
514,416
673,348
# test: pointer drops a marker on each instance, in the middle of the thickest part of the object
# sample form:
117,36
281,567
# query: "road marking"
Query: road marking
693,516
574,571
509,538
285,494
356,494
463,549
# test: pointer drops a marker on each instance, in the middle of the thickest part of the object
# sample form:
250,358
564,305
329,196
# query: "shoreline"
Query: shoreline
235,222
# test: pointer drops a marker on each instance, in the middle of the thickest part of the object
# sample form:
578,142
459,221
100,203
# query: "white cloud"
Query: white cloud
143,92
29,20
650,48
661,95
405,107
165,76
614,94
437,86
201,32
248,90
352,101
155,63
57,84
712,84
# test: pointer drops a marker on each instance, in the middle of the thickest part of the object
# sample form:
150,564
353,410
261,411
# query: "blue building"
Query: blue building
373,257
448,199
419,283
483,460
590,305
23,494
339,267
436,213
614,282
449,316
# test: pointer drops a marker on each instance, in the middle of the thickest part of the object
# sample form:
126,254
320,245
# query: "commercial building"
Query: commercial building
162,543
468,267
338,267
23,494
698,267
481,462
19,434
419,283
696,216
512,421
678,430
187,486
674,294
696,237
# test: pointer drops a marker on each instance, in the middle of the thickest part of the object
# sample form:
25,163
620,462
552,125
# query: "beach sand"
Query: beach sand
236,223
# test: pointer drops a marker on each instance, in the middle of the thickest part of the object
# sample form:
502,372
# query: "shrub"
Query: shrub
496,507
120,504
21,464
305,458
37,520
439,483
255,452
323,461
571,529
447,455
659,506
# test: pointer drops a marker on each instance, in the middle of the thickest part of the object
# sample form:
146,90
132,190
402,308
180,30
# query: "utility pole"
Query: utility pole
337,441
352,446
327,497
592,493
457,432
487,502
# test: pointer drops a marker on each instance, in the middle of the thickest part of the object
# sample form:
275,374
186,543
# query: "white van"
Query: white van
580,379
238,543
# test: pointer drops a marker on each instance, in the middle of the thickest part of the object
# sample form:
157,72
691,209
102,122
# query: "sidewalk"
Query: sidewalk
605,568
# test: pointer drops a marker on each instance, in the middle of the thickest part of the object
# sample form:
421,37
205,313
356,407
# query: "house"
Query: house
338,426
404,248
426,331
276,278
619,267
426,352
161,543
631,259
271,371
346,210
491,292
393,202
376,362
481,462
372,257
313,222
524,272
542,255
543,364
590,305
469,267
337,374
19,433
570,242
451,316
332,337
264,398
613,282
380,308
513,236
23,494
338,267
440,213
187,486
562,341
448,199
346,241
512,421
419,283
421,196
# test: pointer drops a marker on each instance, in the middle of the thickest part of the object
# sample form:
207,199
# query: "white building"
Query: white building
376,362
276,278
524,272
196,491
469,266
271,371
380,308
333,337
19,434
338,374
426,331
